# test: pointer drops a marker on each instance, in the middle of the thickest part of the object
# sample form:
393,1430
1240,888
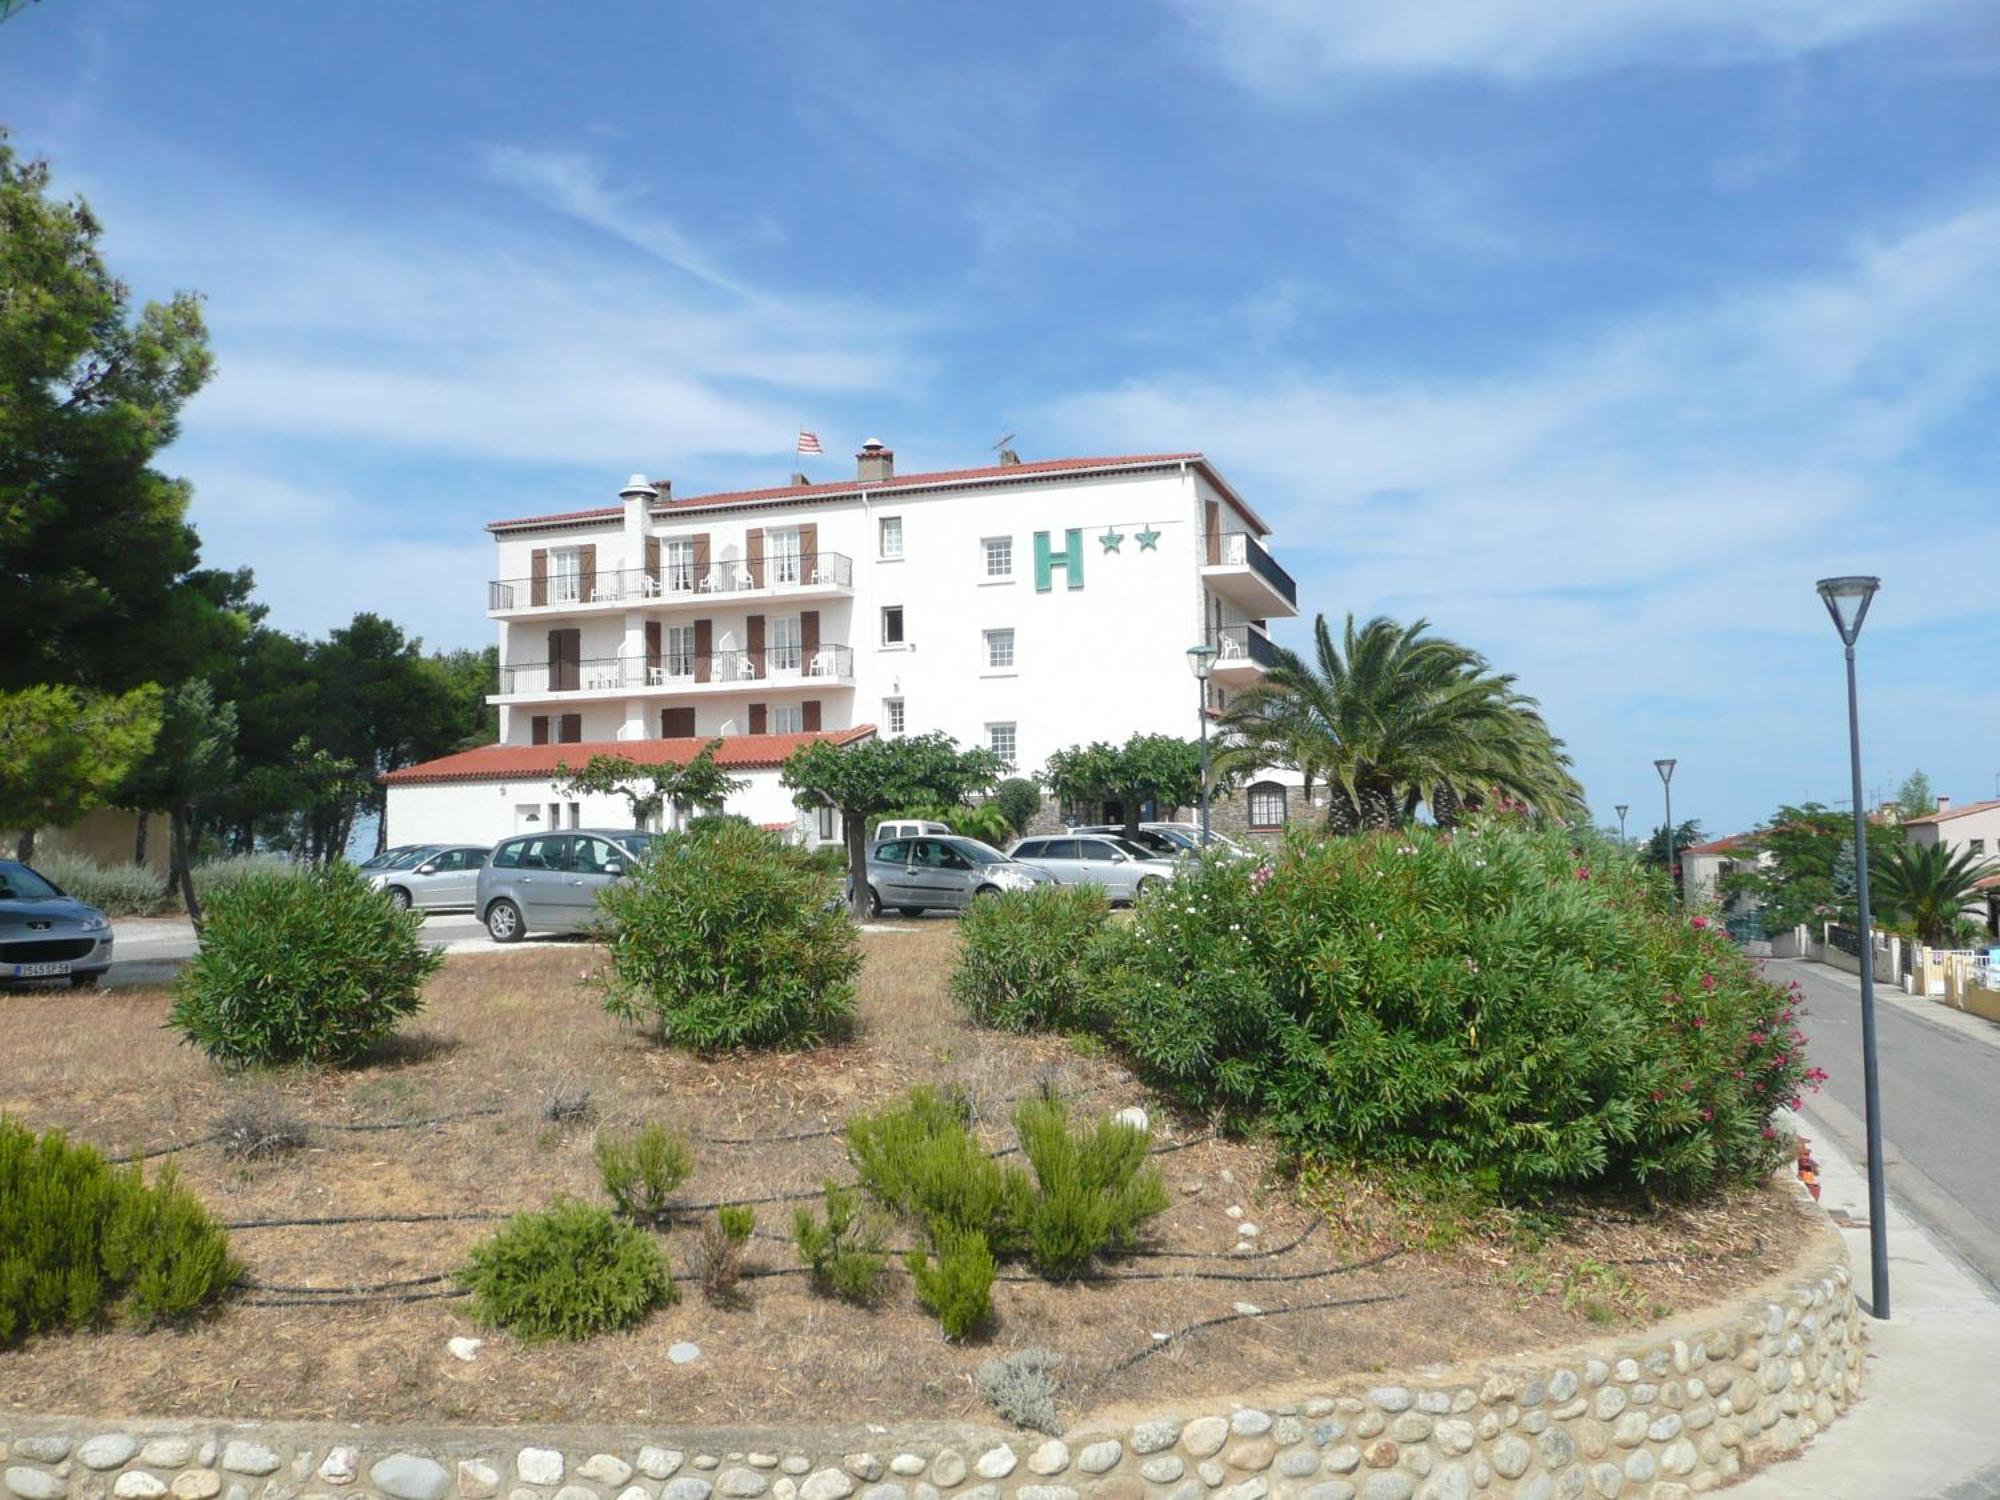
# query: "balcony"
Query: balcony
676,675
1241,571
1243,654
674,586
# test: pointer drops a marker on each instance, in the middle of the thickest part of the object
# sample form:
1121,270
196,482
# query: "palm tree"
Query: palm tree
1391,718
1928,885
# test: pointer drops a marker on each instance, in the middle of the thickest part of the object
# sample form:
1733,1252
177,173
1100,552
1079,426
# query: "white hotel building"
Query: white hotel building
1024,607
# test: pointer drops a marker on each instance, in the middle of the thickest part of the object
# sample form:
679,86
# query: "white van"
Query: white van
909,828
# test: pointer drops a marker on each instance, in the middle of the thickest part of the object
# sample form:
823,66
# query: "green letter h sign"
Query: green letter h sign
1070,560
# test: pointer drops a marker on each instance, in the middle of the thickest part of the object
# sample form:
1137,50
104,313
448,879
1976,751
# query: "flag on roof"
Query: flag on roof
809,442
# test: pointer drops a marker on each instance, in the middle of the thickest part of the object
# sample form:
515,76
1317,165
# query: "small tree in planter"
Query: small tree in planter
651,790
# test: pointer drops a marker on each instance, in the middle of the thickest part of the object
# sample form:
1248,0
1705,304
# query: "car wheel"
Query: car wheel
1148,885
984,891
85,981
399,898
874,902
503,922
910,911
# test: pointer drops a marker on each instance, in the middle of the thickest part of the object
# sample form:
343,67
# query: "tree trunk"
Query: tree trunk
180,874
381,800
139,839
854,829
24,846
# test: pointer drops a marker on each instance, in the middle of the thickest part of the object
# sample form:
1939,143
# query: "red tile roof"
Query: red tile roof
740,752
1718,846
1955,812
938,479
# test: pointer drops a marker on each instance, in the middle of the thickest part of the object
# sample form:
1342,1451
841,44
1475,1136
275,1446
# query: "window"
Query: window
892,714
889,532
1000,740
782,653
677,723
569,729
999,650
892,624
1058,849
543,853
788,718
565,575
678,658
1977,846
679,567
892,854
999,552
826,820
781,556
1267,805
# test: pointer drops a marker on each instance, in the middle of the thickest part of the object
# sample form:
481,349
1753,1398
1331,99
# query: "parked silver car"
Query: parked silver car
1158,845
1188,837
549,882
394,857
45,934
433,877
1126,871
941,872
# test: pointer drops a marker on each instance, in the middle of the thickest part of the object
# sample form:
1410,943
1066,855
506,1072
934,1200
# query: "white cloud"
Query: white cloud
1287,46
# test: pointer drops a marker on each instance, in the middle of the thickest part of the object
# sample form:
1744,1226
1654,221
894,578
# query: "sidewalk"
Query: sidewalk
1924,1428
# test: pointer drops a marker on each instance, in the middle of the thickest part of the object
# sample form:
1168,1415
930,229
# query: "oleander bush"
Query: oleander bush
1026,959
726,937
213,875
300,965
83,1243
1503,1002
115,890
569,1272
641,1170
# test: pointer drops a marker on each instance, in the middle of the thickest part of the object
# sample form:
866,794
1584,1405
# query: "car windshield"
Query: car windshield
638,845
410,857
1130,846
978,853
19,883
385,859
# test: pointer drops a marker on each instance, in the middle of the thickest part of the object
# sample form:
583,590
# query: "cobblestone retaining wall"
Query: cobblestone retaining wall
1677,1413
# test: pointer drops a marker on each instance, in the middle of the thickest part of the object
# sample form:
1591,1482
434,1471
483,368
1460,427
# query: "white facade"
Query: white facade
1975,826
486,810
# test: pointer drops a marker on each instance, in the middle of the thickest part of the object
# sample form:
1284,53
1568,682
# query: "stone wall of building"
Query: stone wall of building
1661,1417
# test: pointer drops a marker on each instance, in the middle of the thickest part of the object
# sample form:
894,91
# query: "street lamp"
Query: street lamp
1621,809
1666,770
1847,600
1201,659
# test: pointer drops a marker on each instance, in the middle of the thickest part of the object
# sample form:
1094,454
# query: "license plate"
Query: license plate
40,971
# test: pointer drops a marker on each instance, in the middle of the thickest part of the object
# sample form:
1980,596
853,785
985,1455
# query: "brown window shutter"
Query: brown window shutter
587,567
759,718
808,552
1214,533
702,558
704,648
652,648
676,723
753,632
570,731
753,553
809,714
653,558
538,576
808,639
538,730
565,655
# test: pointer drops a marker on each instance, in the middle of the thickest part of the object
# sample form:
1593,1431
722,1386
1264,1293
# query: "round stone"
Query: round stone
1328,1489
1051,1458
167,1453
1630,1430
995,1463
1511,1456
1665,1429
687,1487
1164,1468
1391,1398
1045,1492
34,1484
538,1466
865,1467
137,1484
1249,1489
826,1484
43,1450
1610,1401
885,1491
109,1451
795,1464
683,1353
906,1464
1557,1449
1252,1457
1452,1482
1389,1487
1100,1457
1678,1457
476,1481
741,1483
1453,1435
1343,1460
408,1476
1607,1479
249,1458
948,1468
205,1484
1205,1436
1642,1467
660,1463
606,1469
1156,1436
576,1492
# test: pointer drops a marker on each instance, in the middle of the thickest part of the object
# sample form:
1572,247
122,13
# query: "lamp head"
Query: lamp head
1621,809
1847,600
1665,768
1200,659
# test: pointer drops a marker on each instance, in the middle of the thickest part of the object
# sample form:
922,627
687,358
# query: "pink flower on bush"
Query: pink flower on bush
1708,981
1699,923
1582,873
1758,1038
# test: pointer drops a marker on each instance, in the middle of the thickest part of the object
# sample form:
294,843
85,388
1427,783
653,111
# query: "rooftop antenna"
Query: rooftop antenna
1006,439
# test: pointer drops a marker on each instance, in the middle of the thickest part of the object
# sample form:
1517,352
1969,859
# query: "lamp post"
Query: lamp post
1200,660
1847,600
1666,770
1621,809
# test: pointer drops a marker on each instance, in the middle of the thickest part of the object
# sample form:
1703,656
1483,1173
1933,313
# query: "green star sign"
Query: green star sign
1147,538
1111,539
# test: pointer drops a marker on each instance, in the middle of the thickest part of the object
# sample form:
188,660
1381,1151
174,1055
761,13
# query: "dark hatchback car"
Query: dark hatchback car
45,934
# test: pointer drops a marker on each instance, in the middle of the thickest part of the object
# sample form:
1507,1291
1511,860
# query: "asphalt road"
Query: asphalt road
149,950
1940,1075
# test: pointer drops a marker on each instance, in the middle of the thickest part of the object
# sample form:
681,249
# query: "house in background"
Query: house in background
1975,828
1704,865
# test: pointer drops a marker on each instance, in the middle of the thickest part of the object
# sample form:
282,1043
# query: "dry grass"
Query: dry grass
504,1034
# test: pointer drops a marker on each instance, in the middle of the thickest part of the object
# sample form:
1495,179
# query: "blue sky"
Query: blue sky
1593,334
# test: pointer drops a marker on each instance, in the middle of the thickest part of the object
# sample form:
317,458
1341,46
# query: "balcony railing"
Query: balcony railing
1238,644
782,572
1238,549
774,666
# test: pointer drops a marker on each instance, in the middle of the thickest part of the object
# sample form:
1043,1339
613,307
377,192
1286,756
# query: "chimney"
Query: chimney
874,462
1944,804
638,488
1008,458
799,480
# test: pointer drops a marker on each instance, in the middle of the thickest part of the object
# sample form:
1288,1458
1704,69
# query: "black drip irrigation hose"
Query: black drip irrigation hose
1141,1355
332,1219
360,1289
147,1155
485,1112
374,1301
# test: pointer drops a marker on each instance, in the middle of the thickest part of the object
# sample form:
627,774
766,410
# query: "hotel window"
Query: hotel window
826,820
678,658
999,552
781,556
892,624
892,714
999,650
565,575
890,531
1267,805
1977,846
1001,740
679,568
788,718
782,654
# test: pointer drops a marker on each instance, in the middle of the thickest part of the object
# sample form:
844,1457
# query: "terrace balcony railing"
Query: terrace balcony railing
1237,645
674,580
1238,549
774,666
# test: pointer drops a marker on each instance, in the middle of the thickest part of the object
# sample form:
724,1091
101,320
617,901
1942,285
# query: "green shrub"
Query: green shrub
115,890
737,1221
568,1273
845,1252
729,938
1023,1388
213,875
920,1159
1018,800
1026,959
1490,1002
300,966
985,822
956,1288
82,1242
717,1256
640,1171
1095,1191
